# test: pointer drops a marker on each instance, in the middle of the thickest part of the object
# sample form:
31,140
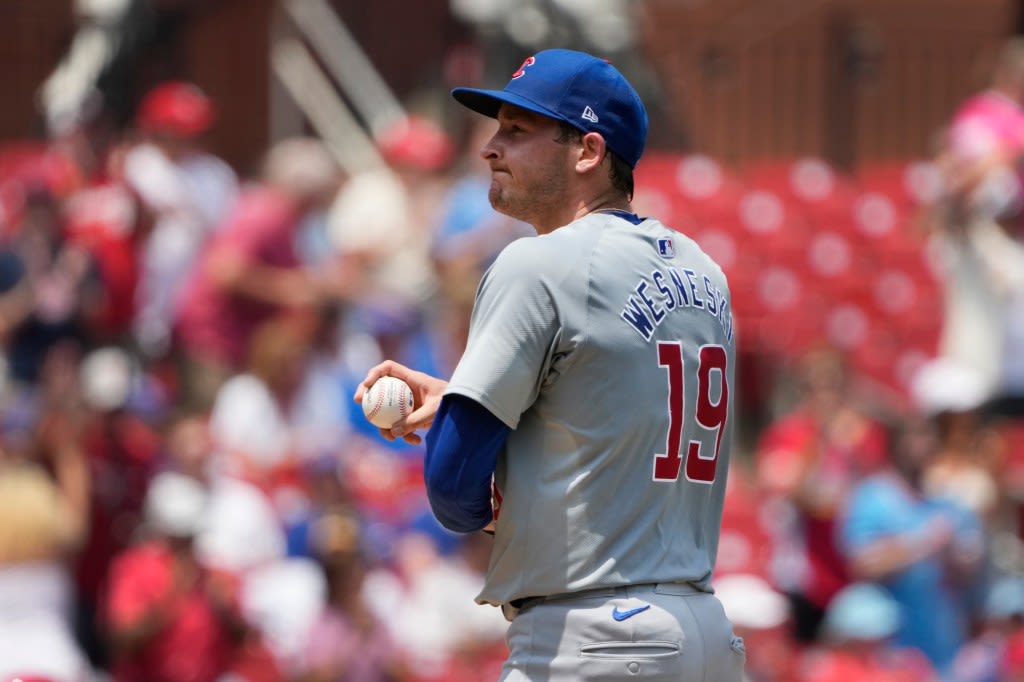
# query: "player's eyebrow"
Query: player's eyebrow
509,113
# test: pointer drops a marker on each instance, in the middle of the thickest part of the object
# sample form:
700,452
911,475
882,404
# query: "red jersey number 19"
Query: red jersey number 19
700,466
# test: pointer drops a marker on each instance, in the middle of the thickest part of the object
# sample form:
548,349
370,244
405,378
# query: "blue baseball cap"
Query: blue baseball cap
584,91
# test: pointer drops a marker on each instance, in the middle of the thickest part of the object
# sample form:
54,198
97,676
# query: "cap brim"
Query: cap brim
488,102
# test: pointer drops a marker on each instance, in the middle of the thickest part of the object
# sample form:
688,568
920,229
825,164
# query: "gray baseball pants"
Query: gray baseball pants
666,632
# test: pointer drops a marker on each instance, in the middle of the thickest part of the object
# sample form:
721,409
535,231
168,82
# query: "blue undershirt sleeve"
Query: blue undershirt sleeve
462,449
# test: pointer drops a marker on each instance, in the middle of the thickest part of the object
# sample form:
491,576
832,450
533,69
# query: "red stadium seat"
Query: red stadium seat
839,266
848,326
722,245
663,204
814,188
829,255
772,175
910,184
886,227
770,227
782,312
902,293
709,188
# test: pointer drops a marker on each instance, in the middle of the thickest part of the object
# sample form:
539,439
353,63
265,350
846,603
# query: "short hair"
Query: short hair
620,172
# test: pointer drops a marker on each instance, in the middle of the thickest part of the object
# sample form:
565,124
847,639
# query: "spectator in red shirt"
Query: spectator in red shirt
104,220
170,620
809,458
104,216
251,271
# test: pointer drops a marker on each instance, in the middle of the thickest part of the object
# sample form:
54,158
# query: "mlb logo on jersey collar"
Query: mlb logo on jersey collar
666,249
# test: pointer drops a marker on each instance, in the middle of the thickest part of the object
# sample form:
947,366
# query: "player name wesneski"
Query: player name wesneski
672,289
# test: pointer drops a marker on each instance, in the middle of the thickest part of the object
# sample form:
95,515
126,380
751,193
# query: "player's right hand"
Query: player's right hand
426,391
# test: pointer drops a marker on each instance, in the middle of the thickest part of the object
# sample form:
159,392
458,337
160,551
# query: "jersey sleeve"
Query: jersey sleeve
513,332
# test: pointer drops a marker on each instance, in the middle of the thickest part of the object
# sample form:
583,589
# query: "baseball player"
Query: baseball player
588,422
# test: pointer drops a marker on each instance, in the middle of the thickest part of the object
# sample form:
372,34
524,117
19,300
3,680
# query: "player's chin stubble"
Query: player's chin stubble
528,203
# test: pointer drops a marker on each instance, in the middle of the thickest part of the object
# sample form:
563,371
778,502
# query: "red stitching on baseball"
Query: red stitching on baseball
401,402
376,408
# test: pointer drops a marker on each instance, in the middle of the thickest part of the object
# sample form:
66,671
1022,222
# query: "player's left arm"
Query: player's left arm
462,450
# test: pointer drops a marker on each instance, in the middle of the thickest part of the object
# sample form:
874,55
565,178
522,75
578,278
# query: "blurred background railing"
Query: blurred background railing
844,80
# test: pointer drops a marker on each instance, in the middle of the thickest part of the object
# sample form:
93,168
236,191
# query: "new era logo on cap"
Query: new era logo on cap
573,87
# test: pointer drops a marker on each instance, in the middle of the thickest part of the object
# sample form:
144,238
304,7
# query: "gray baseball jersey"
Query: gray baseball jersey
608,348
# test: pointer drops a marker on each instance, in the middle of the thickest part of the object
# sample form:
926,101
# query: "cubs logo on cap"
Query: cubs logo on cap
529,61
584,91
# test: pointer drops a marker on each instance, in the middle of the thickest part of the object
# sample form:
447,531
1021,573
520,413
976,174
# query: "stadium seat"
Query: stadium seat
769,226
708,187
910,184
888,228
812,186
782,312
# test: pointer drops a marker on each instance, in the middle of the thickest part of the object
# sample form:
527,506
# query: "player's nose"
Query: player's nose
490,150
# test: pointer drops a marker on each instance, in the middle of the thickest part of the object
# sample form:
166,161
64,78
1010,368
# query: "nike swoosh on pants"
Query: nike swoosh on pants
623,615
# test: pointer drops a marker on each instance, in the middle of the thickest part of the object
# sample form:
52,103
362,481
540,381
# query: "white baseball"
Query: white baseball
387,401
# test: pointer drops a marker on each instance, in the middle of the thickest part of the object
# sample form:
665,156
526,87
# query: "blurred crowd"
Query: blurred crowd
189,494
872,539
187,490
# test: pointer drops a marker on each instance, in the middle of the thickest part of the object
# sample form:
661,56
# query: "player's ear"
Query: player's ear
592,152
